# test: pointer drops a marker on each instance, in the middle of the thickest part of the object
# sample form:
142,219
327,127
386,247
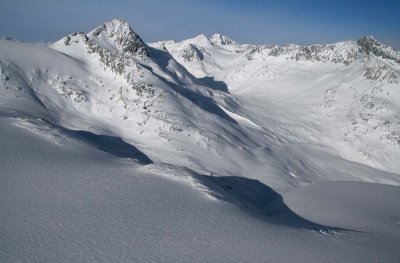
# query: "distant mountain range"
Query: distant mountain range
206,97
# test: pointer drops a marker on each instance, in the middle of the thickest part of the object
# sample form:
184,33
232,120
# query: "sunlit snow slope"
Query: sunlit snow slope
205,150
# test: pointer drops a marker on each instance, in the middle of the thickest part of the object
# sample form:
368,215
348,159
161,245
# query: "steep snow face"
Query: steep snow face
199,55
200,40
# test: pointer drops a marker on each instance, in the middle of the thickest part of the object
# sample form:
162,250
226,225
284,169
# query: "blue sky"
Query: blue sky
269,22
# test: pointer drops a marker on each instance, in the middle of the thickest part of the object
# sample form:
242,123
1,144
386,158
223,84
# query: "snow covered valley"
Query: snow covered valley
204,150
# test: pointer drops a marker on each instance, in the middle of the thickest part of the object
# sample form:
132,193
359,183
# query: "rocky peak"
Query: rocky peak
75,38
117,26
192,52
371,46
119,35
218,39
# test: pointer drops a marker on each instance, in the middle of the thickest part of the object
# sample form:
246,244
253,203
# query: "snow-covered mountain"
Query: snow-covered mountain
349,88
204,138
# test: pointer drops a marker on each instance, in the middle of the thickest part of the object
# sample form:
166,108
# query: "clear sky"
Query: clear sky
251,21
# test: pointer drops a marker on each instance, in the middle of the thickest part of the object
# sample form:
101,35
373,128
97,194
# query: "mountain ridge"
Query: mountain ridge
199,150
157,90
364,46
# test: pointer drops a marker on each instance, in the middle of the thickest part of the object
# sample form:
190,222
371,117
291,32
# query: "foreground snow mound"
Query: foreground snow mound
355,205
85,204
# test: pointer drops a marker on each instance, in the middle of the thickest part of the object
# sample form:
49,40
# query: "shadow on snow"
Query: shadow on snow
258,199
112,145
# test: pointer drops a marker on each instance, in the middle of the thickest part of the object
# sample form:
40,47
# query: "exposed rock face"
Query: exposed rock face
345,52
120,35
341,52
218,39
191,53
369,45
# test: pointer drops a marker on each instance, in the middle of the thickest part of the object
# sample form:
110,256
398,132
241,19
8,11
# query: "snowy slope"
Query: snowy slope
64,200
343,95
200,150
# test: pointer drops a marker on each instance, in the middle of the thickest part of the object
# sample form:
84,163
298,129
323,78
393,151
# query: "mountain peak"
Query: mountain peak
199,40
368,41
117,26
370,45
201,37
218,39
118,35
119,20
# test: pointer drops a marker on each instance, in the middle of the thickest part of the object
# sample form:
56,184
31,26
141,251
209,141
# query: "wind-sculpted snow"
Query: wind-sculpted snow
250,195
205,150
84,205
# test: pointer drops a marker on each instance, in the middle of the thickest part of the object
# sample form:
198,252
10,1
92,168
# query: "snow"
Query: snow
218,39
68,202
332,97
205,150
356,205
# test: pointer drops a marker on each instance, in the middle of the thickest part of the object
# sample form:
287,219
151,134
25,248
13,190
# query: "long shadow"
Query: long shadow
214,84
112,145
162,58
249,194
259,199
200,100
